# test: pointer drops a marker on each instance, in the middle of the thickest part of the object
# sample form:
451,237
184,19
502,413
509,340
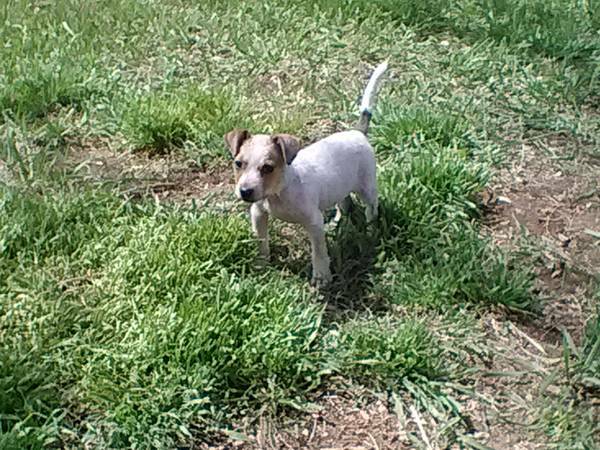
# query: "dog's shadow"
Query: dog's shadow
354,248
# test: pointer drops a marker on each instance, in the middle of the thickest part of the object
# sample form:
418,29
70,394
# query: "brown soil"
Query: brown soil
550,208
167,178
556,206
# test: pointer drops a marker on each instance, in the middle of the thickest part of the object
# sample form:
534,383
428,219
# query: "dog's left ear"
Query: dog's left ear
234,140
289,145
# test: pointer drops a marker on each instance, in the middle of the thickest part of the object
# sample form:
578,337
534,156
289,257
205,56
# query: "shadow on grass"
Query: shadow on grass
352,246
412,255
355,251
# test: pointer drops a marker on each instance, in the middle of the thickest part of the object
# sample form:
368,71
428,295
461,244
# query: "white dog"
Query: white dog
297,185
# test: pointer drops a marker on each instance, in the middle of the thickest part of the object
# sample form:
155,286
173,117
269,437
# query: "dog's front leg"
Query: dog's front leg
260,222
320,259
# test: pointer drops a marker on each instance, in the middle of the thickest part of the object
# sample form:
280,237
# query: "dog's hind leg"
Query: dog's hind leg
342,208
369,196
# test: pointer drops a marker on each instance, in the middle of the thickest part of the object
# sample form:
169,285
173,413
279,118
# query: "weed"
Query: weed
569,418
464,271
43,90
35,227
589,365
30,156
553,28
583,363
162,285
227,345
569,425
402,126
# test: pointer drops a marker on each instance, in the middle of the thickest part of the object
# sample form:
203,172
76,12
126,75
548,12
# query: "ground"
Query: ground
132,313
533,197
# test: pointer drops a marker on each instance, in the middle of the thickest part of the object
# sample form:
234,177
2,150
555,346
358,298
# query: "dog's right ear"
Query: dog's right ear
289,145
234,140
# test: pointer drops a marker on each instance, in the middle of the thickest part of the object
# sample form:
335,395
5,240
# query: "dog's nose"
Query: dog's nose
246,193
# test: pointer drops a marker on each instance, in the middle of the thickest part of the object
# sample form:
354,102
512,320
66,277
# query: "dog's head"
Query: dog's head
260,162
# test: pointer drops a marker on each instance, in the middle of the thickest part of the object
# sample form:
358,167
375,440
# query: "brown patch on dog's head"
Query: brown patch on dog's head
234,140
289,146
260,162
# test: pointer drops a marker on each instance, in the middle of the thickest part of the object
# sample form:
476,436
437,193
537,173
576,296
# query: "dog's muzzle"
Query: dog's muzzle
246,194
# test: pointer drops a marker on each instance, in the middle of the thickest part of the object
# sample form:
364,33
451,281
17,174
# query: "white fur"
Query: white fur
368,99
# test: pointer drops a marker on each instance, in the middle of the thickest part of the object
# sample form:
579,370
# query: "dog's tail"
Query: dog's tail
368,99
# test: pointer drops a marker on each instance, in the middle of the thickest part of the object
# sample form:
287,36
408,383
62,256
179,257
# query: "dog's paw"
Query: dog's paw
321,280
261,262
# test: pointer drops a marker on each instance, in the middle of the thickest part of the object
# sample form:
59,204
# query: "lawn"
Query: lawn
132,311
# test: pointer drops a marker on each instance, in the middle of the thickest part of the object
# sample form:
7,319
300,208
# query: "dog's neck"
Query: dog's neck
283,204
289,178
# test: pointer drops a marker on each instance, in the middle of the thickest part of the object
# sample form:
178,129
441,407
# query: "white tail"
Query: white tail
368,99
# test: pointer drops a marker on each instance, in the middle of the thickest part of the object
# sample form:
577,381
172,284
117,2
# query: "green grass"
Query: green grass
589,365
128,323
229,345
570,425
385,350
160,122
42,91
152,326
406,126
569,420
561,29
433,253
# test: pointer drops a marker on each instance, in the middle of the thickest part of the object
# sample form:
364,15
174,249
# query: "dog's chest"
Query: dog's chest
288,210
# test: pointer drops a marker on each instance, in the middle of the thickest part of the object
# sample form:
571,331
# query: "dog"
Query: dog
296,185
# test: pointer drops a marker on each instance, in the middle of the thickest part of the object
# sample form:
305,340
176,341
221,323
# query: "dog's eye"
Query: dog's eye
267,168
238,164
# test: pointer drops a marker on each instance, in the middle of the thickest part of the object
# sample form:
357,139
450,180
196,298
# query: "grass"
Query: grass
583,361
429,231
565,30
91,325
568,421
160,122
160,323
590,359
44,90
386,350
128,323
409,126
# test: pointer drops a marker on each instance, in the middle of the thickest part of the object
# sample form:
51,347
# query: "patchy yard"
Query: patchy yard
132,314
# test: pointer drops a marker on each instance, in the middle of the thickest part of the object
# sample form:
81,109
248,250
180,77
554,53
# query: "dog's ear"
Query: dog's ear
289,145
234,140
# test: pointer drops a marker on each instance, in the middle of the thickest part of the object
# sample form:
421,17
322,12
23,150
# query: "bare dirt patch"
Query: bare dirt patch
547,210
340,424
170,178
556,204
343,421
509,388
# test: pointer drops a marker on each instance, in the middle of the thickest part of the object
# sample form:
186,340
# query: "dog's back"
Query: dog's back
336,165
